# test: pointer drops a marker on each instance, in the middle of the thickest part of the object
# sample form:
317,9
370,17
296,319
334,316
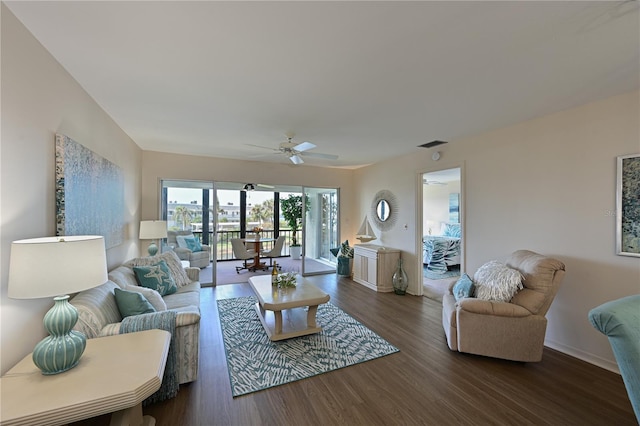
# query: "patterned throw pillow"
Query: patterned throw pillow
156,277
496,281
463,287
452,230
131,303
345,250
173,262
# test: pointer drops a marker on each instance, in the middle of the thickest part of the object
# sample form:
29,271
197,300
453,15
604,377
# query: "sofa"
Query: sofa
514,329
619,320
98,313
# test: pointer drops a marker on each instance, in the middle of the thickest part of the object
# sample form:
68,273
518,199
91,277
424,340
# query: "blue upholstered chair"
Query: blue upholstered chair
619,320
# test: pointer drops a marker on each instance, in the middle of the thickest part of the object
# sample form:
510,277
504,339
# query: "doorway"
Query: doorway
442,239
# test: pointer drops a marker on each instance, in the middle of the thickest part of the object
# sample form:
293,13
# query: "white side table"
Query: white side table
115,374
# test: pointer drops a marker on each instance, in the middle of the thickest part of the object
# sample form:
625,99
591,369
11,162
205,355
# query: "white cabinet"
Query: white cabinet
373,266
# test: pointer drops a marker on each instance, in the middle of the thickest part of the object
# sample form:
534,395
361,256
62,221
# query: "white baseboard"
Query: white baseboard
584,356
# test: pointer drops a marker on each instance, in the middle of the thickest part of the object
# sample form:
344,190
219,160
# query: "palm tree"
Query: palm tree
183,215
259,213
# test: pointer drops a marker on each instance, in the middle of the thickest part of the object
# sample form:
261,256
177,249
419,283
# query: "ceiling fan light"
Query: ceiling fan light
296,159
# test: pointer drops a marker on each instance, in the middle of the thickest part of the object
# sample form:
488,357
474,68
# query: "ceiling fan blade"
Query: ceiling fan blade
264,185
263,147
266,154
304,146
319,155
296,159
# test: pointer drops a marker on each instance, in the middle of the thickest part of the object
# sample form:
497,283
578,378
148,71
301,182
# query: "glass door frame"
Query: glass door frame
334,228
210,197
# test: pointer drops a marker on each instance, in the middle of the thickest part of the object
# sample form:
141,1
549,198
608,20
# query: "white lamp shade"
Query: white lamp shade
54,266
153,229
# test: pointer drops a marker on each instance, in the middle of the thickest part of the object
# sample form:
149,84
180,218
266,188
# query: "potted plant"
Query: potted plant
292,212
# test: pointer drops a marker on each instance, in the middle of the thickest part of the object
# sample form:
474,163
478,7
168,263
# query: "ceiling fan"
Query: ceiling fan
295,151
252,186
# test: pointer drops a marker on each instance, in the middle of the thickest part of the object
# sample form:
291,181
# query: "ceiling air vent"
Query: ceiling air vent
432,144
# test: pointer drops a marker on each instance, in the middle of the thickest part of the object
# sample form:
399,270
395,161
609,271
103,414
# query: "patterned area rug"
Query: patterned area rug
257,363
454,271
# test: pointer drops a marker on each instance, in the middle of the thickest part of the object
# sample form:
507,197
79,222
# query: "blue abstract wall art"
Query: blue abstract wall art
89,193
628,206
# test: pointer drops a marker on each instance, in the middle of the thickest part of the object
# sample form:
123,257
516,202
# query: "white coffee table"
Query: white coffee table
282,312
115,375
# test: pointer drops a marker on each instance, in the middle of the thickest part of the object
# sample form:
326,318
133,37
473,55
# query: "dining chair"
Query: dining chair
276,251
241,252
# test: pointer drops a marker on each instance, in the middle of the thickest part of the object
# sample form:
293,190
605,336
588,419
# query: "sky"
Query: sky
187,195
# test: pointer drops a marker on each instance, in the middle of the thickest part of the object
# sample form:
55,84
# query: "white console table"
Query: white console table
373,266
115,375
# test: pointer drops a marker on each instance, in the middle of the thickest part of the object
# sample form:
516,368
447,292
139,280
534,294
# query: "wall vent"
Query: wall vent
432,144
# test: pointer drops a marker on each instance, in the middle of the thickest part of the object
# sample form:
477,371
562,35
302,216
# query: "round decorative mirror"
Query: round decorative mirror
384,210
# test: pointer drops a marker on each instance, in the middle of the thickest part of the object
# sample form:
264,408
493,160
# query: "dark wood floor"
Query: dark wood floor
425,383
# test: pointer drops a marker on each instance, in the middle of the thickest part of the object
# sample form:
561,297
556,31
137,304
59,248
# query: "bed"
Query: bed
442,251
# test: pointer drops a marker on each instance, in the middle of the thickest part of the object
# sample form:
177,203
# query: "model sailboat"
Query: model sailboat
365,233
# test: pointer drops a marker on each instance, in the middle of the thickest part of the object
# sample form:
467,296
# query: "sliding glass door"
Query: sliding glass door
320,230
191,206
216,214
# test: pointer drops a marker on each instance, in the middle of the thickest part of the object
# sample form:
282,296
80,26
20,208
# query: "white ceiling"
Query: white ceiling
363,80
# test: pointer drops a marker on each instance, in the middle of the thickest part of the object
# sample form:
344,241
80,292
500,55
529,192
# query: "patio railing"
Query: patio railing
225,252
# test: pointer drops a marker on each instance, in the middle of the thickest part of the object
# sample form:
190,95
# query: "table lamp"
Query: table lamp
150,230
57,266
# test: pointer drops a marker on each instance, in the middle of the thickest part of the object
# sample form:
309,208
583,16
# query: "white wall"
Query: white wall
546,185
40,99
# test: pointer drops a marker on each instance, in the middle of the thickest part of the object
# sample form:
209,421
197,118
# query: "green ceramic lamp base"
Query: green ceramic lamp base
152,249
61,351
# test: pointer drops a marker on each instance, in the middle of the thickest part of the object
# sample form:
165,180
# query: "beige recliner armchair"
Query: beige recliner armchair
512,330
197,259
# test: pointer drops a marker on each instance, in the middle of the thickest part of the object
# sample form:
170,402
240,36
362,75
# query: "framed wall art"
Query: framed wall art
89,193
628,206
454,207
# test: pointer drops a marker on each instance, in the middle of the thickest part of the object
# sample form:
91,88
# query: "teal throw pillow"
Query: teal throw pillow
463,287
157,277
131,303
193,243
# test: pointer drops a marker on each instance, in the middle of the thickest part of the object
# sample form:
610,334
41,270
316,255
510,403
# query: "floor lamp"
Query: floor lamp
57,266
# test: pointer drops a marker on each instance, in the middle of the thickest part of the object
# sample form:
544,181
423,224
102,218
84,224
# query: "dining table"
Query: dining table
255,244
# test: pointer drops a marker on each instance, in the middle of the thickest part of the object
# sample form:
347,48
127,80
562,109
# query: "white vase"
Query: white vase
296,252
